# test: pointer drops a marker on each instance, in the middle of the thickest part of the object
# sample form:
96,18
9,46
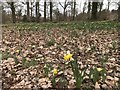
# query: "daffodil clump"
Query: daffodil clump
78,76
53,77
46,70
98,74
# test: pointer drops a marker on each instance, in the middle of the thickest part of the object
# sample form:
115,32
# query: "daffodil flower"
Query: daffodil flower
68,56
99,69
54,71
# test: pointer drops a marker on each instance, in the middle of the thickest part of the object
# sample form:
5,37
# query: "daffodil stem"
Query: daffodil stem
76,73
53,81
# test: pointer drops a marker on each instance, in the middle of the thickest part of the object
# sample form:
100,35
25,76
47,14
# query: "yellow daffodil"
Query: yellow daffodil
54,71
17,51
68,56
99,69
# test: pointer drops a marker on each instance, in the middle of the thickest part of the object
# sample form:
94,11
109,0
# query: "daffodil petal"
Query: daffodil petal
99,69
68,52
67,57
54,71
17,51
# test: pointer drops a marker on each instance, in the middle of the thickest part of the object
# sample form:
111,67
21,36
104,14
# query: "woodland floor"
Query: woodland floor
27,48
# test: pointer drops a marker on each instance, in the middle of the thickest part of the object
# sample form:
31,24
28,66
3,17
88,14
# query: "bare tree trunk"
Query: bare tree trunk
37,11
66,4
64,13
94,10
74,9
45,10
108,5
13,12
51,5
31,9
89,8
28,13
84,7
101,5
119,12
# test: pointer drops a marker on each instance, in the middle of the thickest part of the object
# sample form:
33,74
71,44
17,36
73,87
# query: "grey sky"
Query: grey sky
80,4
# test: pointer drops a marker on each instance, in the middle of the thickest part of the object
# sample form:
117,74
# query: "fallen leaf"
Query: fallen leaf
97,86
109,78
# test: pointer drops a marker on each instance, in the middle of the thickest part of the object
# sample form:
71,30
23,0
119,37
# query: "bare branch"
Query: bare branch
61,5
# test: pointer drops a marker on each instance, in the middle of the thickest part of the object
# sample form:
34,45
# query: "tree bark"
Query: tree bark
108,5
51,5
89,8
94,10
45,10
74,9
66,3
13,12
28,12
64,13
84,7
31,9
37,11
119,12
101,5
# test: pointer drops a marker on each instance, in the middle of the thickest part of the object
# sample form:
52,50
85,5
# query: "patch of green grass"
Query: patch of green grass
5,55
50,42
82,25
26,63
74,34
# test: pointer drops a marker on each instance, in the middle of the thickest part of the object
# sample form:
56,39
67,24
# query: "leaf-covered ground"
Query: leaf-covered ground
27,48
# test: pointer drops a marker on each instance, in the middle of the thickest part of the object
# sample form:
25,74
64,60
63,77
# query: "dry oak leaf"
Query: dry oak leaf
97,86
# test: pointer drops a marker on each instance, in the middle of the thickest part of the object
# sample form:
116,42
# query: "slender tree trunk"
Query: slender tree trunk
89,8
84,7
74,9
94,10
101,5
28,13
119,12
45,10
31,9
38,7
108,5
64,9
51,10
37,11
64,13
13,12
